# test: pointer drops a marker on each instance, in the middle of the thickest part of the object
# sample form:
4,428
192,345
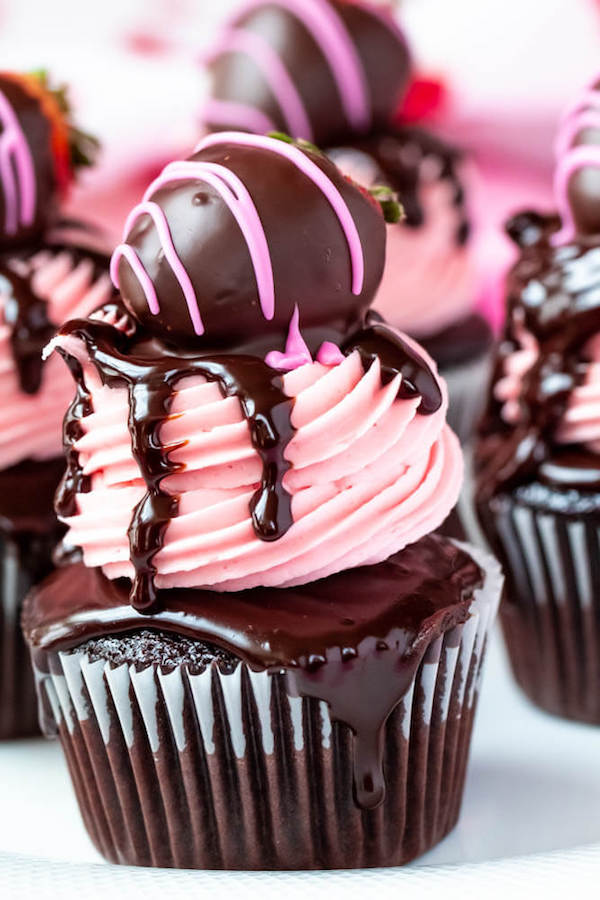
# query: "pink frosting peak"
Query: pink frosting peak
17,172
296,352
368,475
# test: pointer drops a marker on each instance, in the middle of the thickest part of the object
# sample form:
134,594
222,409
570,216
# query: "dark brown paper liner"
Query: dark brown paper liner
18,702
551,612
231,771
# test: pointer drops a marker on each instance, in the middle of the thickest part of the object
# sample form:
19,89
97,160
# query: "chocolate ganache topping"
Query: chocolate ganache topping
318,69
553,312
174,301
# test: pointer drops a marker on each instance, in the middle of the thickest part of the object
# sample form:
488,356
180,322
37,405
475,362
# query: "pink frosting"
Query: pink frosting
581,424
368,475
581,421
31,424
428,281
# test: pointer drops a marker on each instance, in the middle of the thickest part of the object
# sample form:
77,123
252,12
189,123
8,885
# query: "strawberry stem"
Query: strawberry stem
83,147
392,209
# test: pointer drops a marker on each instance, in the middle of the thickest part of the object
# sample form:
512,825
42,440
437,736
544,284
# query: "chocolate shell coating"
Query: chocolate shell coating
37,131
308,249
584,188
383,55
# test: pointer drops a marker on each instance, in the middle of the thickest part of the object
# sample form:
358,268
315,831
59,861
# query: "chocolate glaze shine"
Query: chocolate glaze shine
308,251
150,373
554,292
353,640
150,370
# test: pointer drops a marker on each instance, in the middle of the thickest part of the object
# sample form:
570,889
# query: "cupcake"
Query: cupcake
538,457
263,659
43,280
336,72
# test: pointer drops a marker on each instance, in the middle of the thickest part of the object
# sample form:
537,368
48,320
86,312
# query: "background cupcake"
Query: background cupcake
336,73
264,653
538,458
43,280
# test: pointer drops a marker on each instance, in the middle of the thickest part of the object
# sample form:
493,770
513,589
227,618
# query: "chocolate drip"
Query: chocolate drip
26,314
553,293
400,154
397,357
360,658
150,371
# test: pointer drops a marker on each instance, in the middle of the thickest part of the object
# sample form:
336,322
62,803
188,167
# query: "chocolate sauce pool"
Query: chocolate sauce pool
354,640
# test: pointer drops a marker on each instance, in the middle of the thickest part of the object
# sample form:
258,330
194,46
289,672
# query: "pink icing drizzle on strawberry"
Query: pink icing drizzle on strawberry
235,194
317,176
224,112
19,191
279,80
584,113
331,35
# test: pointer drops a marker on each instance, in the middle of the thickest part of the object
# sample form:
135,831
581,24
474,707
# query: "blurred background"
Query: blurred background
502,72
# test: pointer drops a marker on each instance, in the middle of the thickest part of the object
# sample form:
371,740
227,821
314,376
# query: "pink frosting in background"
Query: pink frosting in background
31,424
429,280
369,475
581,422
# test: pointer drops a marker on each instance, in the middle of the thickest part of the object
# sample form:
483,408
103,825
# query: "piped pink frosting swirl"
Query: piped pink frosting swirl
368,476
429,279
31,424
581,421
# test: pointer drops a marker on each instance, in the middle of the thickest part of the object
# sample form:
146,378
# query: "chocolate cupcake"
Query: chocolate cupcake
43,280
258,649
538,458
336,72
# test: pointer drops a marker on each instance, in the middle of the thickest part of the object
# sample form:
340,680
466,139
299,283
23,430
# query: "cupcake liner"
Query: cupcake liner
466,388
18,702
551,613
233,770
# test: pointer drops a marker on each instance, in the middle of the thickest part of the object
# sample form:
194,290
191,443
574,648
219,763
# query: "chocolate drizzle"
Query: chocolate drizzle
397,357
400,154
150,371
359,657
31,329
26,313
554,293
